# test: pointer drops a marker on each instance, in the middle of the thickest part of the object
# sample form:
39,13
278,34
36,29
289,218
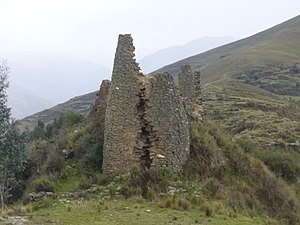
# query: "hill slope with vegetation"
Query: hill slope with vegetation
250,175
252,86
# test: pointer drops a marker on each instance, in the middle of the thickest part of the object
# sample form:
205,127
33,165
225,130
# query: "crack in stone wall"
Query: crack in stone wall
146,131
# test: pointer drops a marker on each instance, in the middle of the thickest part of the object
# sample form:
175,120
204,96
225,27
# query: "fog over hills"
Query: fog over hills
39,81
247,85
174,53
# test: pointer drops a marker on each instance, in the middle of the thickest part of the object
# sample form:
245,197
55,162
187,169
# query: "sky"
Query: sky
88,29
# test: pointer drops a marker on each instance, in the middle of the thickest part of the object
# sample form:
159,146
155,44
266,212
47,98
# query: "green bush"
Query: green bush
206,158
214,154
70,118
282,162
150,181
89,148
43,184
84,183
212,187
54,163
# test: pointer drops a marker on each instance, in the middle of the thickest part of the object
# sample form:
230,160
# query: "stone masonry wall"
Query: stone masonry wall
122,123
145,121
166,114
189,82
97,116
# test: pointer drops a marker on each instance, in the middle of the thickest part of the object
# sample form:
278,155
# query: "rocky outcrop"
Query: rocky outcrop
145,121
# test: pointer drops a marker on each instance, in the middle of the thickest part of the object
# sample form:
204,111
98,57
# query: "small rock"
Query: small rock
148,210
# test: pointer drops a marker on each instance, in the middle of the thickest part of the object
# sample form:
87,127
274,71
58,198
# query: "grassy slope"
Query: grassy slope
130,212
82,104
232,102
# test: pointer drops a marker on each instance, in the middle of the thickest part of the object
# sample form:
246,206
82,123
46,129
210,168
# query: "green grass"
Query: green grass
248,111
130,212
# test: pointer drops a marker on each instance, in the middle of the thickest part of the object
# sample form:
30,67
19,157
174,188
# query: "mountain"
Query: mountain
38,81
175,53
251,86
82,104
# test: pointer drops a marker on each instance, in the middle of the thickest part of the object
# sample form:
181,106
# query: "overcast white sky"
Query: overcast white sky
88,29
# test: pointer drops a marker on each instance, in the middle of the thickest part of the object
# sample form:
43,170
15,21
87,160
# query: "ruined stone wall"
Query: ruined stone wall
189,82
167,117
186,84
97,116
199,111
122,124
145,121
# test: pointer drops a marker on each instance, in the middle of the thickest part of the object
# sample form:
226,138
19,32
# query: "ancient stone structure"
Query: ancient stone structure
97,115
145,121
189,82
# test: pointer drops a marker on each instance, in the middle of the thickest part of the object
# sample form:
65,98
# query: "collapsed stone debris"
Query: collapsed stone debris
145,118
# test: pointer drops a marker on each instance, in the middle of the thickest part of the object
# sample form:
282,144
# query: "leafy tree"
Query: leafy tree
12,143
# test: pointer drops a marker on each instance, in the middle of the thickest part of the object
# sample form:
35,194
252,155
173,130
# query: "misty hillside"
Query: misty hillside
82,104
39,81
251,86
174,53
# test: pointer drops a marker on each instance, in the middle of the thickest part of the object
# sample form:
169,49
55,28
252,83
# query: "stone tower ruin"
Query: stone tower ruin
144,119
145,122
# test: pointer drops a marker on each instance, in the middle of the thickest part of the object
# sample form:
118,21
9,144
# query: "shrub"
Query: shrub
212,187
282,162
170,202
84,183
43,184
112,190
206,159
70,118
54,163
154,180
89,148
183,204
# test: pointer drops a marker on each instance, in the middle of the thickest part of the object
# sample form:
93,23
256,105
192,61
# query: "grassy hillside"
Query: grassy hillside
82,104
223,182
252,86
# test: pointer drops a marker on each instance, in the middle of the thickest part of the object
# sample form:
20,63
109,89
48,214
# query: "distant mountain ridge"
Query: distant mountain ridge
39,81
174,53
82,104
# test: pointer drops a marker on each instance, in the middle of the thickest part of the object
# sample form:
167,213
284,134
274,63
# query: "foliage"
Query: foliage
206,159
38,131
150,181
284,162
70,118
258,187
88,148
12,144
43,183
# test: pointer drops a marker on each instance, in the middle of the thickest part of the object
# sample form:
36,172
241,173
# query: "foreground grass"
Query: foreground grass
129,212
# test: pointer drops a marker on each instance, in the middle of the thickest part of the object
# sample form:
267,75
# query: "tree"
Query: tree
12,143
